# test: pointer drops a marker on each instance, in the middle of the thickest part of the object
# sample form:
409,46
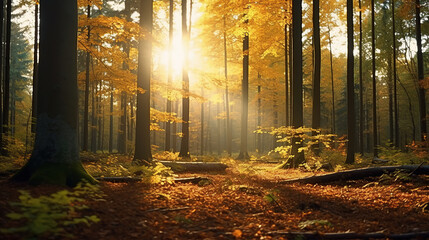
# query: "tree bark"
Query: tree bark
297,108
228,119
243,155
332,80
86,104
395,95
35,65
420,72
184,146
316,74
374,83
55,157
195,166
143,154
359,174
361,116
170,74
351,125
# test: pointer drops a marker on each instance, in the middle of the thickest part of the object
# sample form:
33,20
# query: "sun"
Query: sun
177,61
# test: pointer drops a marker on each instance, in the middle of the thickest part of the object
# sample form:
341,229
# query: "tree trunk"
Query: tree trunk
86,104
359,174
35,64
297,108
395,95
219,145
228,120
245,98
351,124
6,89
259,137
202,125
184,146
55,157
143,154
390,89
194,166
361,116
316,74
111,122
2,149
374,83
170,75
420,72
174,129
332,81
287,101
93,119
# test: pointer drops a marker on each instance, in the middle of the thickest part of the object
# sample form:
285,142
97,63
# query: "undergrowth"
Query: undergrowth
44,216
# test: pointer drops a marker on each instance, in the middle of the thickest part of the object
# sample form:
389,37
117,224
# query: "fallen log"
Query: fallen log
195,166
359,174
193,180
349,235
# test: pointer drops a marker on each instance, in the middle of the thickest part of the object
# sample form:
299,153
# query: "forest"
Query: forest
214,119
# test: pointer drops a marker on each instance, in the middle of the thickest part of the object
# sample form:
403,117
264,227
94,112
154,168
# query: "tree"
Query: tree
86,104
35,66
297,106
350,87
6,81
361,116
374,83
143,153
184,146
420,73
395,95
316,72
20,70
170,74
55,157
243,155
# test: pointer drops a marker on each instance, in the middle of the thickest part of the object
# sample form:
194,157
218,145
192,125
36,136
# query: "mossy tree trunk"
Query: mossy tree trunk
55,157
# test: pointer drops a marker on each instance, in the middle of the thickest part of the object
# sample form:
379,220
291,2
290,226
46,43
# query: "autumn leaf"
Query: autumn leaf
237,233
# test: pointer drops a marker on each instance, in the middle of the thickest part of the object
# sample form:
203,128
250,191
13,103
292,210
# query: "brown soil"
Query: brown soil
233,206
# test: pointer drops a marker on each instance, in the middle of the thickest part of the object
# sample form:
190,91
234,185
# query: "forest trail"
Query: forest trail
247,205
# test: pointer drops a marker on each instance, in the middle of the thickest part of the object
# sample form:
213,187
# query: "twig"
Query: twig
167,209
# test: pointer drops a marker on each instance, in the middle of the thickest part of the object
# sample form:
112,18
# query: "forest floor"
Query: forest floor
245,202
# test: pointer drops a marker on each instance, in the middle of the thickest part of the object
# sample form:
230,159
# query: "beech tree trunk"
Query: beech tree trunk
316,74
184,146
86,104
243,155
351,125
143,153
420,72
228,119
395,95
170,75
35,64
374,83
55,157
297,105
332,81
361,116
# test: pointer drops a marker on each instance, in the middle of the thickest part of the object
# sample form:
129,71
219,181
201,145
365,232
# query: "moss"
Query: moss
64,174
